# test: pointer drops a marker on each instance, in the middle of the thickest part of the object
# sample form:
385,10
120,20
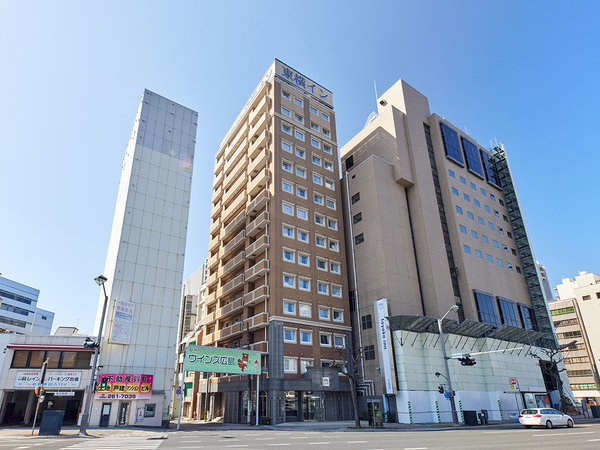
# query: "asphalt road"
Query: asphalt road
582,436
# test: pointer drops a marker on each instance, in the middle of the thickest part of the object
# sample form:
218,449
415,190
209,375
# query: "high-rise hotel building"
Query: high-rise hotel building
276,262
144,264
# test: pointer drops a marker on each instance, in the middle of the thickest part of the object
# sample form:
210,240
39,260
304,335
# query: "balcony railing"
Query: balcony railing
258,246
259,202
259,162
234,225
259,109
210,299
258,224
235,172
234,189
233,263
211,280
231,285
216,210
262,347
234,207
258,144
257,295
231,330
258,321
236,156
213,261
230,308
208,339
235,243
260,124
214,243
209,318
218,179
259,182
217,194
215,226
257,270
219,164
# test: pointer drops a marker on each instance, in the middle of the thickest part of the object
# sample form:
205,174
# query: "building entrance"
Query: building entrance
314,406
123,413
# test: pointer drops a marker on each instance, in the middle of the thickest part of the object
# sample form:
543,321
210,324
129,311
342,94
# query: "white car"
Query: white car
544,417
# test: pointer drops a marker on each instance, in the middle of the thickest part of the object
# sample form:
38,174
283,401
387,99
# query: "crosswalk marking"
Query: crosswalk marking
128,442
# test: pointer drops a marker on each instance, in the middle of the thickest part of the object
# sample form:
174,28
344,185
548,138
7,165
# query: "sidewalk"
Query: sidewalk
94,433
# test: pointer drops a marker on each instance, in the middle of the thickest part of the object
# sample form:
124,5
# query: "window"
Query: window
314,111
305,364
303,235
332,223
318,179
289,255
305,337
455,191
289,335
324,117
467,248
304,284
300,153
290,365
316,160
501,202
149,409
299,118
287,166
513,251
302,213
289,281
476,202
319,219
286,95
320,241
329,184
495,243
318,198
369,352
527,318
481,221
287,186
325,339
315,143
289,307
321,264
314,126
303,259
366,322
286,146
485,239
474,234
492,197
304,310
508,312
451,173
56,359
486,309
463,180
339,341
359,239
509,266
338,315
298,101
335,267
336,291
478,253
323,287
356,218
482,190
504,217
500,230
328,165
470,215
301,171
299,135
496,213
288,231
466,197
323,313
287,208
286,112
286,128
334,245
463,229
490,225
489,257
472,157
473,184
301,192
326,132
459,209
487,208
505,248
518,269
499,261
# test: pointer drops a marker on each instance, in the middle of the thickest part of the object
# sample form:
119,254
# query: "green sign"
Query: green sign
223,360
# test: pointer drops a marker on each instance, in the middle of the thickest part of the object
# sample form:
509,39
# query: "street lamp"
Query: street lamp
85,418
450,391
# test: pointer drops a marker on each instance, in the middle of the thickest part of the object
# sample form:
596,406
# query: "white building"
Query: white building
19,312
144,264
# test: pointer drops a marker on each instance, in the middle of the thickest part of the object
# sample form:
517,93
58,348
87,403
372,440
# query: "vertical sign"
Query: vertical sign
383,335
120,332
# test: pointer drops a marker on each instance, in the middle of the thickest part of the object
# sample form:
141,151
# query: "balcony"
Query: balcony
258,246
219,164
258,144
237,241
209,318
233,190
259,126
215,226
257,270
231,285
257,295
258,110
258,224
208,339
230,308
214,243
239,168
234,225
239,136
213,261
262,347
259,162
239,151
211,280
217,194
231,330
259,182
210,299
258,321
259,202
218,179
233,263
234,207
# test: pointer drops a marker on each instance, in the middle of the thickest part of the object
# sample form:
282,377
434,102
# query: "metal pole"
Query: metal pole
181,386
258,389
450,390
88,400
37,407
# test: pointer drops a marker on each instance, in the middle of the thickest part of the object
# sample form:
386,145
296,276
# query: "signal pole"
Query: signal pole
443,345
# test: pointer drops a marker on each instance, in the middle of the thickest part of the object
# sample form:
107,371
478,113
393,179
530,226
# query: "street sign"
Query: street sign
460,355
178,391
514,384
64,393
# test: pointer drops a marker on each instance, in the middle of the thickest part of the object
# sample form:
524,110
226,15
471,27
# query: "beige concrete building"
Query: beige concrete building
576,315
432,221
276,265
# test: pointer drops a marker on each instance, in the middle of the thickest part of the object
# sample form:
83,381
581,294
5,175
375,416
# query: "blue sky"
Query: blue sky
72,73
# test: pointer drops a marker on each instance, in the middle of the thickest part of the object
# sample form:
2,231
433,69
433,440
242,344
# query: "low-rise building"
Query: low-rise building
19,312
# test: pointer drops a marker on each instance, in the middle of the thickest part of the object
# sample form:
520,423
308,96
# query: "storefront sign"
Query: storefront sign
221,360
383,333
120,332
31,379
325,381
123,386
64,393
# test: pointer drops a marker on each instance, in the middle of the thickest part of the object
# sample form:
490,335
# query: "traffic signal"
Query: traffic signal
441,389
89,344
466,361
104,383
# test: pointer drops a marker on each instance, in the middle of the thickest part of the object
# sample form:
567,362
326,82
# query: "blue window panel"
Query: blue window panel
490,173
485,239
477,203
487,309
466,197
463,180
489,257
508,312
487,208
451,144
474,234
491,225
499,261
528,318
482,190
463,229
473,186
478,253
451,173
481,221
471,216
455,191
467,248
459,209
472,157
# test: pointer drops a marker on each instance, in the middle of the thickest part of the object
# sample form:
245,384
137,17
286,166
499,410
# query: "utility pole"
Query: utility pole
443,345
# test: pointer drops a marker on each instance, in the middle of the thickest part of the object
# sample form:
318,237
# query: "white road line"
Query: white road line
415,448
318,443
195,446
563,434
264,439
593,440
237,446
299,437
356,442
277,445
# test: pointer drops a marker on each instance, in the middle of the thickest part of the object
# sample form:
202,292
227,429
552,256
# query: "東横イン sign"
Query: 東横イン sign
223,360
